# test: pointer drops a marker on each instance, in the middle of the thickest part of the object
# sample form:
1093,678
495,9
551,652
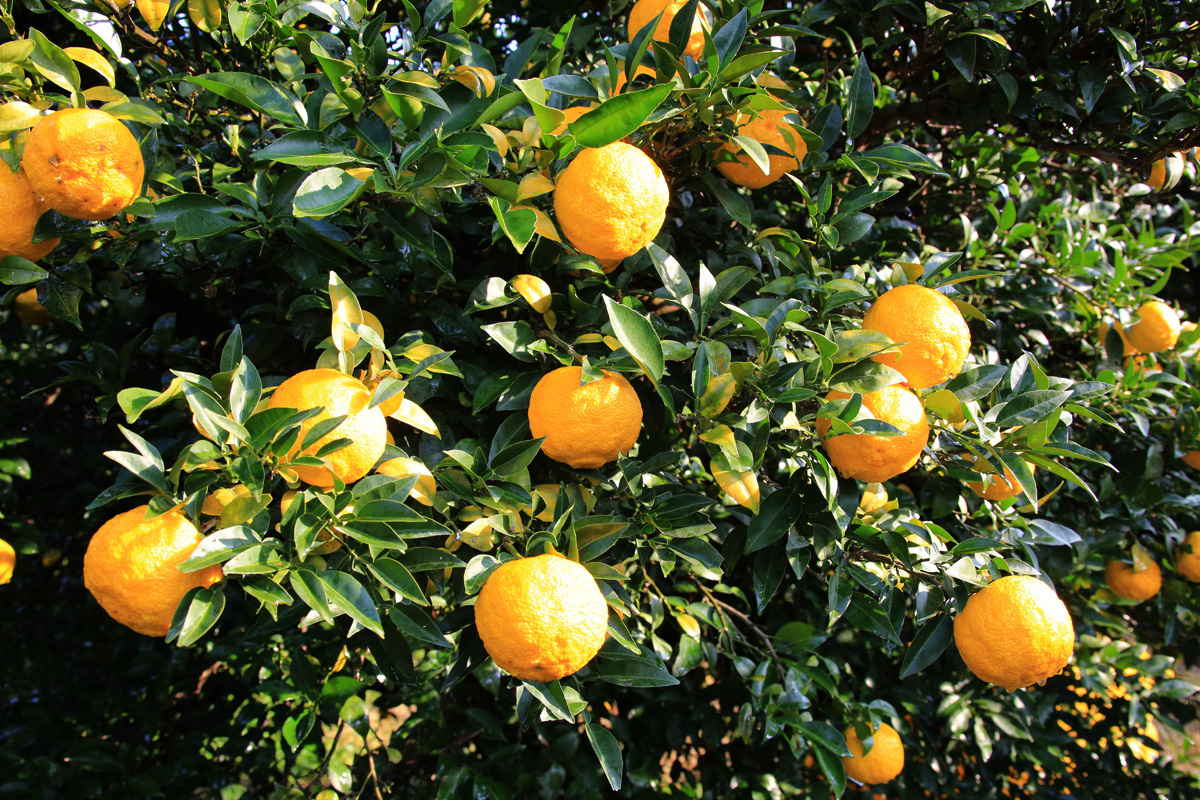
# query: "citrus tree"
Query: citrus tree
501,400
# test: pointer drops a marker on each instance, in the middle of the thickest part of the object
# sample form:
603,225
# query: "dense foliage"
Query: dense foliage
309,158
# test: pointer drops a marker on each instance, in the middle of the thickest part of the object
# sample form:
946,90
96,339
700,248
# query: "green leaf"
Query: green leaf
618,116
779,511
928,645
861,99
519,225
977,383
608,752
305,149
351,597
901,155
220,546
1029,407
395,576
637,336
416,623
17,271
623,668
255,92
467,10
52,62
326,192
550,695
199,610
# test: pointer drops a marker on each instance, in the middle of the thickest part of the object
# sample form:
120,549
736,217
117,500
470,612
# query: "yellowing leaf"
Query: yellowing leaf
346,312
154,12
421,351
412,414
498,137
534,184
542,225
92,59
613,343
742,486
361,173
477,79
588,338
689,625
1142,560
722,436
535,291
912,269
205,14
104,94
717,395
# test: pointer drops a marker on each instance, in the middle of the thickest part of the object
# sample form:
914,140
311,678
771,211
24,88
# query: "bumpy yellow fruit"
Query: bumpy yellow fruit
1187,559
882,764
541,618
338,394
131,568
611,201
1157,330
1015,632
644,12
935,334
1128,584
872,458
22,207
770,128
586,425
84,162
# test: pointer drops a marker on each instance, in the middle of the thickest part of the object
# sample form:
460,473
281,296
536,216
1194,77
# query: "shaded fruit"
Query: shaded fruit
873,458
882,763
770,128
1130,584
22,208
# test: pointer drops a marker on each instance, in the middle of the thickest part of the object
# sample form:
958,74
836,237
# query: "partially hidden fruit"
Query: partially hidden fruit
84,162
1000,488
586,425
644,12
1187,558
573,113
1192,459
884,761
1157,330
1129,583
935,335
872,458
611,201
769,128
337,394
22,208
132,563
1158,174
1015,632
541,618
216,501
28,309
402,467
8,560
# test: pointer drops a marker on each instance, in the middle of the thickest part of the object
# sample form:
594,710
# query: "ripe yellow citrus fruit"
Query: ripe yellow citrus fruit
1187,558
1192,459
541,618
28,309
22,208
883,763
770,128
1158,174
573,113
1015,632
84,162
131,568
8,560
1001,487
644,12
586,425
1157,330
611,201
337,394
402,467
1125,583
872,458
935,334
